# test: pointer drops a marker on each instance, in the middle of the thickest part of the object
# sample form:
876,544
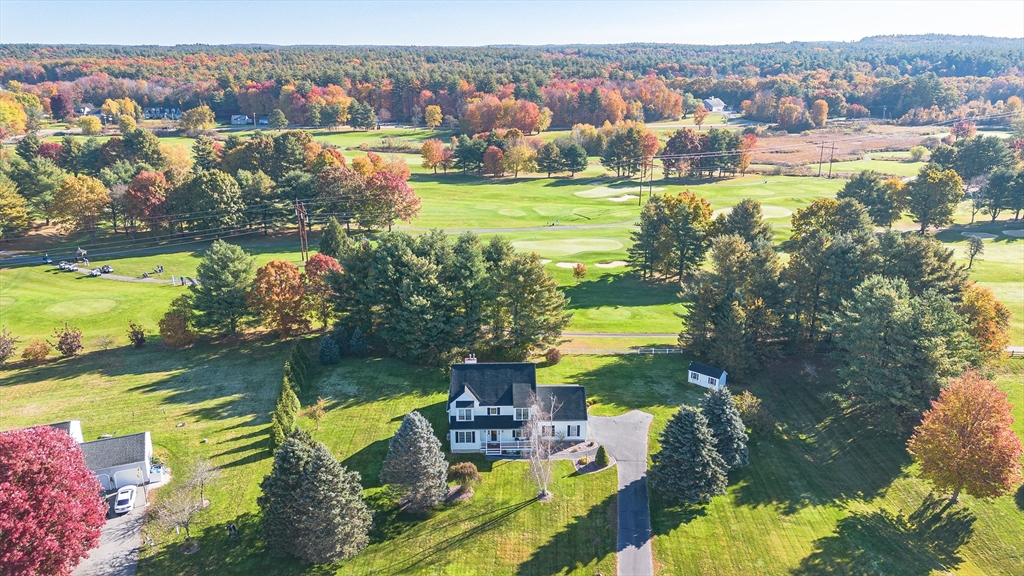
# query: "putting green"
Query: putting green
511,212
606,191
566,247
767,210
84,307
605,314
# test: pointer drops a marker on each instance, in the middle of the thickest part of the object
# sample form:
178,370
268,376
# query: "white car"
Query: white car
125,500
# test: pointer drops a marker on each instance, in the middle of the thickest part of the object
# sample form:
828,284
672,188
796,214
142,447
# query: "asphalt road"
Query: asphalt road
625,439
118,552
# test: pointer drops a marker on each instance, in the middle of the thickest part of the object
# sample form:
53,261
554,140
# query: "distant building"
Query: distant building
706,376
714,104
489,405
240,119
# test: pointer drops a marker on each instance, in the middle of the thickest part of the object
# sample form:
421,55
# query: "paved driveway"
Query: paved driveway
625,439
118,552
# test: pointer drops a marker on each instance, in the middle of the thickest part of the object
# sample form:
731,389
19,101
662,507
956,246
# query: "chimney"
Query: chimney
471,359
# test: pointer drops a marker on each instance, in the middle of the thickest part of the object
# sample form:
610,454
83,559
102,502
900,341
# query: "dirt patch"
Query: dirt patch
852,141
456,494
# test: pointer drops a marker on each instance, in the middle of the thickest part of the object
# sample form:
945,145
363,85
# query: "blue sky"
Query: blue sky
471,23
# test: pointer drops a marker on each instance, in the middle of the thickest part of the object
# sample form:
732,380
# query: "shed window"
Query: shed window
712,381
694,375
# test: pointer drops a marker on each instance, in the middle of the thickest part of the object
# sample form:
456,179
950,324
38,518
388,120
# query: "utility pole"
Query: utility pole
300,214
821,157
831,159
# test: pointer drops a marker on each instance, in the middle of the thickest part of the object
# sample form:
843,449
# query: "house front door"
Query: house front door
494,435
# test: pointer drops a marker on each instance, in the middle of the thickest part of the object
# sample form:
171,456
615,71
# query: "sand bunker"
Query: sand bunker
612,264
982,235
567,247
606,191
569,265
768,211
623,198
545,261
1014,233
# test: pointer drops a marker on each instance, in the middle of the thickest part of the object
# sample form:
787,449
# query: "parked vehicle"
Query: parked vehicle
62,265
107,269
95,272
125,500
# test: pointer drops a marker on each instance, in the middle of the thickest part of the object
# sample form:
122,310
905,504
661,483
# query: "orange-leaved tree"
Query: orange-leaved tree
432,153
318,286
988,318
966,441
278,296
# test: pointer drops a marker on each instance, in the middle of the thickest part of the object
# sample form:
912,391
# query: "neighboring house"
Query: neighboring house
706,376
238,119
714,104
121,460
72,427
489,404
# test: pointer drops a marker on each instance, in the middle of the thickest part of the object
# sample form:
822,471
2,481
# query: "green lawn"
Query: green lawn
885,167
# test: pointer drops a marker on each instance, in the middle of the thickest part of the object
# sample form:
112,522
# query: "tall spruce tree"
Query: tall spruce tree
415,465
312,505
334,241
746,220
328,352
688,468
225,273
726,426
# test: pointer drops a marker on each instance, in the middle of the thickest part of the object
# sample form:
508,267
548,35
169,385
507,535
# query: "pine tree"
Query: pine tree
328,352
726,426
357,345
688,468
300,359
575,159
415,465
293,376
601,458
224,273
334,241
340,336
549,159
312,505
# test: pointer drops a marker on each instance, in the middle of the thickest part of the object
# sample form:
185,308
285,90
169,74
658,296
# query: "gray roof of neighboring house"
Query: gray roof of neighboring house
714,101
706,370
65,426
572,399
117,451
493,383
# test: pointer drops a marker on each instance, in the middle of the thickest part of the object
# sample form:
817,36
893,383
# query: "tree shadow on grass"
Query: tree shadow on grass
621,289
585,541
882,544
820,451
1019,497
667,515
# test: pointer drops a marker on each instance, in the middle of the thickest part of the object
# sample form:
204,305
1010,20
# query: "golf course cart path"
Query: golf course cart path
625,439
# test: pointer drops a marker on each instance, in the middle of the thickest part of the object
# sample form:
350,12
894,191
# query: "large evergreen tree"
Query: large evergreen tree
746,220
415,465
869,189
312,505
334,240
688,468
933,197
224,273
726,426
549,159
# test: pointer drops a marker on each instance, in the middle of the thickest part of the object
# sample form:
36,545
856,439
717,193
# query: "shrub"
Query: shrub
136,335
7,343
601,457
340,336
36,351
69,340
328,352
917,153
466,474
176,325
584,461
753,414
357,345
105,342
553,355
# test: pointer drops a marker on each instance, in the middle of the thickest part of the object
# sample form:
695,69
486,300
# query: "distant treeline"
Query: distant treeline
576,83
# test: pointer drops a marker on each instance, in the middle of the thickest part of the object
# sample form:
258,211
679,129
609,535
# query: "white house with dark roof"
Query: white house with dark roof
72,427
121,460
706,376
714,104
489,404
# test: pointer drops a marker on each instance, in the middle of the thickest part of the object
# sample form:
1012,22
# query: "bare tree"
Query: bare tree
178,509
543,440
317,411
203,472
975,246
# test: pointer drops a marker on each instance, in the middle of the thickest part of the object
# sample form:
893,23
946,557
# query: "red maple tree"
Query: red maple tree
279,296
966,441
51,511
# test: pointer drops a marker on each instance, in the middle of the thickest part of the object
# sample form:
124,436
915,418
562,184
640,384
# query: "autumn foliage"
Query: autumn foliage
988,318
318,289
278,296
966,441
50,510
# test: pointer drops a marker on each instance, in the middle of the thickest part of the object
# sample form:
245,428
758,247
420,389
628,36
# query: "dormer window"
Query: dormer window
493,411
464,414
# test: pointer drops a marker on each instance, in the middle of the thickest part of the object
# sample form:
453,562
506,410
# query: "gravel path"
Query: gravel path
625,439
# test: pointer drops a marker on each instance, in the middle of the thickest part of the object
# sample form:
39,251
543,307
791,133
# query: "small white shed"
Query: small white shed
706,376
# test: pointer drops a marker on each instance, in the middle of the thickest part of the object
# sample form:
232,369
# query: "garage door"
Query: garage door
127,478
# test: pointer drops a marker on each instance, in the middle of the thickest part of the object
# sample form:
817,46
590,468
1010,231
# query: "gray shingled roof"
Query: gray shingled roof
491,382
706,370
65,426
573,401
117,451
